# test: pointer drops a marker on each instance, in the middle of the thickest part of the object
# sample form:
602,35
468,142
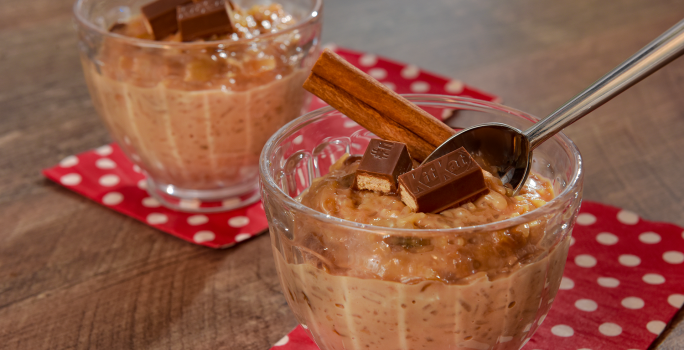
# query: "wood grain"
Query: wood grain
75,275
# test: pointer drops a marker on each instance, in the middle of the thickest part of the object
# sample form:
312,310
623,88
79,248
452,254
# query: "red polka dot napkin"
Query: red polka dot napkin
622,284
106,176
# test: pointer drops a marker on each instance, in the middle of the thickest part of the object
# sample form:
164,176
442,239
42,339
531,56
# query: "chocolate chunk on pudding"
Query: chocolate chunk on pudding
382,163
160,17
204,18
442,183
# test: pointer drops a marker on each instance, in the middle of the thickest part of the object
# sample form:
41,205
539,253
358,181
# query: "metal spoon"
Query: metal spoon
507,151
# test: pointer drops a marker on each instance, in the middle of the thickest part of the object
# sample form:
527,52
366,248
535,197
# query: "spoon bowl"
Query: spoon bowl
500,149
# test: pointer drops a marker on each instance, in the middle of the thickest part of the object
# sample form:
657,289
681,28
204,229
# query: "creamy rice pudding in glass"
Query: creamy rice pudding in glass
195,115
360,270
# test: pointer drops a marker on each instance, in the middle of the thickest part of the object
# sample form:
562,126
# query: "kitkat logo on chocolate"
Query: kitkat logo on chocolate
382,151
454,165
442,183
429,177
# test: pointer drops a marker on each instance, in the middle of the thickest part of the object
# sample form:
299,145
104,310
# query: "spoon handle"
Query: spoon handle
649,59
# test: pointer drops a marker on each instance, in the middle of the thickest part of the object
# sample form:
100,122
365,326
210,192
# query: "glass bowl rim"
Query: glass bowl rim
556,203
314,16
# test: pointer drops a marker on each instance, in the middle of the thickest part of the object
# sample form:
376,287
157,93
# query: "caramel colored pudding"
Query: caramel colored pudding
196,116
426,290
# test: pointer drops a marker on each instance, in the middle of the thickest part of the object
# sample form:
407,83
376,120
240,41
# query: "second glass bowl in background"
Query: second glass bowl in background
195,115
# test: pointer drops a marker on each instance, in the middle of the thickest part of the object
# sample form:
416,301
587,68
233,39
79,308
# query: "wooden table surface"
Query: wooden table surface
76,275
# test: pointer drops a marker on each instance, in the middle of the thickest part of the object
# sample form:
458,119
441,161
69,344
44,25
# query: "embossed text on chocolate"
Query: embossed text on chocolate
442,183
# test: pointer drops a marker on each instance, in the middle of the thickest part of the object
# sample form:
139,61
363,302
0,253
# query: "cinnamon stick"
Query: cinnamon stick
367,117
388,103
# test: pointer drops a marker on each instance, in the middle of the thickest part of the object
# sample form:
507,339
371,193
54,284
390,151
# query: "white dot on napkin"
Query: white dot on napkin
676,300
454,87
606,238
649,238
203,236
72,179
136,168
673,257
419,87
541,319
150,202
610,329
238,221
142,184
528,327
68,162
629,260
157,219
243,236
633,303
390,85
105,163
112,198
109,180
284,340
653,278
378,73
298,140
197,220
572,241
587,305
562,330
189,203
566,283
655,326
585,260
585,219
627,217
608,282
231,202
410,72
368,60
104,150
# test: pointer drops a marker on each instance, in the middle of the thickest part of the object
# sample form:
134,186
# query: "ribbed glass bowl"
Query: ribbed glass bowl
353,308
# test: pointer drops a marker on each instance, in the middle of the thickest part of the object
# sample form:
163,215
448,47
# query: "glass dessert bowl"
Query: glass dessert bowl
359,286
195,115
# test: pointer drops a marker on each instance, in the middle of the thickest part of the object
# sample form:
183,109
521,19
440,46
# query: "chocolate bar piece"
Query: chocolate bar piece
204,18
382,163
442,183
160,16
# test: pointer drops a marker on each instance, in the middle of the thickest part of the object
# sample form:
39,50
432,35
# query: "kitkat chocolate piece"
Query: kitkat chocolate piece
160,16
382,163
442,183
204,18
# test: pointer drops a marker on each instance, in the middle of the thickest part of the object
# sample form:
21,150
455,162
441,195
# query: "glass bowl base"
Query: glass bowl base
203,201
